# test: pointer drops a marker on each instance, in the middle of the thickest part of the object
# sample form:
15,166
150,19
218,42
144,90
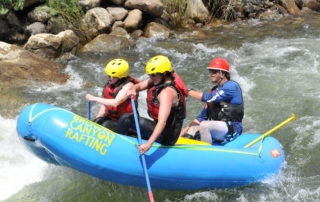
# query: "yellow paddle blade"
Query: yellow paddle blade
187,141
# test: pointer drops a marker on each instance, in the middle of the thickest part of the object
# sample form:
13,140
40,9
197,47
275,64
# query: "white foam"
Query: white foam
18,166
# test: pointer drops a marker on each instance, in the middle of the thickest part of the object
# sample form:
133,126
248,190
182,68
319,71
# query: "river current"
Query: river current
278,68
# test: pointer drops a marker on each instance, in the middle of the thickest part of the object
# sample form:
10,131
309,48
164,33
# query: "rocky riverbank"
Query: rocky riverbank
34,42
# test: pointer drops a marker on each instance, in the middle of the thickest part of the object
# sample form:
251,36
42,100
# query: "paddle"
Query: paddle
89,110
142,157
293,117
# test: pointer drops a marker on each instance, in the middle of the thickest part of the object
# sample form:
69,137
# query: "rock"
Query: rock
19,67
119,31
107,43
312,4
28,3
40,14
117,24
96,21
89,4
270,15
291,6
133,20
13,21
17,38
118,13
69,42
36,28
154,29
307,11
152,7
197,11
45,45
118,2
4,31
136,34
52,46
58,24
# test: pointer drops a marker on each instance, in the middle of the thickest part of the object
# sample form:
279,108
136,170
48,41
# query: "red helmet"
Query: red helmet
219,64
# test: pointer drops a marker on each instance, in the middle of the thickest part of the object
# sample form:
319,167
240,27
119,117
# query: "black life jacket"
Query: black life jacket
224,111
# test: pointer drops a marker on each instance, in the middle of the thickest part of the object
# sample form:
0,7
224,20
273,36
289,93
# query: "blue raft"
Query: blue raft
61,137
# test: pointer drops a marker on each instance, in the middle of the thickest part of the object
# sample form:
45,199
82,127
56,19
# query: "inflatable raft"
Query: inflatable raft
61,137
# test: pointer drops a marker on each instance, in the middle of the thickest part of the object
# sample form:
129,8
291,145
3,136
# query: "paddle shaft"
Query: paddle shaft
89,110
293,117
142,157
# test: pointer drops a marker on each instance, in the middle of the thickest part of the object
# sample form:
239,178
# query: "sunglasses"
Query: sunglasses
111,77
213,71
153,75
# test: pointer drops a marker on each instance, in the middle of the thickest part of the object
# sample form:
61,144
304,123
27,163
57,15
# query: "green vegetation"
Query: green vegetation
6,5
70,10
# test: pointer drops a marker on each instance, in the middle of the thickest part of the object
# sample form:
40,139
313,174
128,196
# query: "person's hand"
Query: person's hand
132,92
144,147
90,97
184,131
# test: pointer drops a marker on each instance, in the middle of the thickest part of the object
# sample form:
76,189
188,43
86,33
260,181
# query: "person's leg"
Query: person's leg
146,127
110,124
125,124
192,132
213,131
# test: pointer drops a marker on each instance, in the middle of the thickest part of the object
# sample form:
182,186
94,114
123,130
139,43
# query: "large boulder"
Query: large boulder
154,29
292,7
133,20
152,7
96,21
197,11
107,43
52,46
40,14
118,13
89,4
36,28
20,68
312,4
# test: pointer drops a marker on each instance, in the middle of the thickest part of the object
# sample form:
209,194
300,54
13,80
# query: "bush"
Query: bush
6,5
68,9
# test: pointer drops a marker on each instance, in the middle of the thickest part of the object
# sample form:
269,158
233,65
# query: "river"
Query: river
276,64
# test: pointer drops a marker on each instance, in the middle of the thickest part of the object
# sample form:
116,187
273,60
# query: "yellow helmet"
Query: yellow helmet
158,64
117,68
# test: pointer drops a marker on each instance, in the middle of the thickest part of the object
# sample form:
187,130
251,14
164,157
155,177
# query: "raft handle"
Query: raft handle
31,139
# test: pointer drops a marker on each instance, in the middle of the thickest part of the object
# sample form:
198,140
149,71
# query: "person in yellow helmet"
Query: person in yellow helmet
165,102
115,101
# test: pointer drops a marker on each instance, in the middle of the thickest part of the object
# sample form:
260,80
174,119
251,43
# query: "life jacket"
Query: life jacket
224,111
232,114
153,103
111,91
170,133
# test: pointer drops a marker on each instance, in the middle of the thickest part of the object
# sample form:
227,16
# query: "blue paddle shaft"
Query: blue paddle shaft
89,110
142,157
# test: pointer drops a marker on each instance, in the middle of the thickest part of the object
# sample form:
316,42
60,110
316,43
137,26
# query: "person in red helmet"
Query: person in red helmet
220,120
